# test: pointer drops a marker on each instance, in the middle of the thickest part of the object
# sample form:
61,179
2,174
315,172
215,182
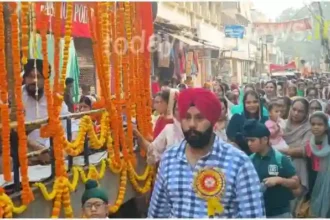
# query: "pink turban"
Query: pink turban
204,100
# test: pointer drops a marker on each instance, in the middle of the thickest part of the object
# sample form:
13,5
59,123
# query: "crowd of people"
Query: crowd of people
268,141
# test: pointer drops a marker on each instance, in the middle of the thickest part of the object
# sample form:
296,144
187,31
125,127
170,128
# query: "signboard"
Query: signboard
234,31
80,26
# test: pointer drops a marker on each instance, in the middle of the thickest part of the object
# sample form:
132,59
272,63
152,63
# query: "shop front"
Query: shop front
214,39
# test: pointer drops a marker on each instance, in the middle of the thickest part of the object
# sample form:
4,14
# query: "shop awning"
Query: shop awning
195,44
188,41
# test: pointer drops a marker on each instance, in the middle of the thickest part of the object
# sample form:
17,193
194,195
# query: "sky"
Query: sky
273,8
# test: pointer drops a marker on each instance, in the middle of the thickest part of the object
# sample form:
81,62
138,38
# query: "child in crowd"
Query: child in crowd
318,152
276,171
273,125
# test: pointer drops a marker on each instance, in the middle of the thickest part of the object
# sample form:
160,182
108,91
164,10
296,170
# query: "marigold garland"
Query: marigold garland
7,207
135,183
5,132
27,195
24,31
92,172
127,82
122,191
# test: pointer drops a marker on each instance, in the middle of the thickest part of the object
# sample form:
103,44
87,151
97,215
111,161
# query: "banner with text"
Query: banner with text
282,27
80,26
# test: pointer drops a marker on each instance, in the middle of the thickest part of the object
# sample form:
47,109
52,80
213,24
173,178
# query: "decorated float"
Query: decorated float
118,166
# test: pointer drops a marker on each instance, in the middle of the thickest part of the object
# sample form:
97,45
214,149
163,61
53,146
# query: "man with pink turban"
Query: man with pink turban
203,162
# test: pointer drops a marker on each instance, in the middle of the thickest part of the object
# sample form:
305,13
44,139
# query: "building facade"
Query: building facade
233,60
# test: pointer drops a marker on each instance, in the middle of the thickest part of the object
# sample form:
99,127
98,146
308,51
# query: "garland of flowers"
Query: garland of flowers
103,73
136,185
122,73
133,76
141,177
115,168
25,31
92,172
7,207
27,195
45,66
117,127
127,81
139,85
122,191
59,138
115,158
57,40
5,132
86,126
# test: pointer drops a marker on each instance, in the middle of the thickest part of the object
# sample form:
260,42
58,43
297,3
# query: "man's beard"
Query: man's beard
197,139
31,91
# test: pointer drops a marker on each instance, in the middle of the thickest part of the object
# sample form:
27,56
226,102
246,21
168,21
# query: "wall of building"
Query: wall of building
86,61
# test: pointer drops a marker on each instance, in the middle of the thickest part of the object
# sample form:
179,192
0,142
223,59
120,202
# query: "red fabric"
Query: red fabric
155,88
182,62
80,27
275,67
315,159
204,100
160,125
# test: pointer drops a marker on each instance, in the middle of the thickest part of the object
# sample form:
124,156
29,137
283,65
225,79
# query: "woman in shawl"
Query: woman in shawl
253,107
296,134
171,134
271,90
164,102
316,105
238,109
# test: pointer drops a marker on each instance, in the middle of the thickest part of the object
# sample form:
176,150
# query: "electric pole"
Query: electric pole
324,37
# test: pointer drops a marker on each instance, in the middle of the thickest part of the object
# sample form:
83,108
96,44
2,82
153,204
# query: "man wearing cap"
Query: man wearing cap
203,176
94,201
276,172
